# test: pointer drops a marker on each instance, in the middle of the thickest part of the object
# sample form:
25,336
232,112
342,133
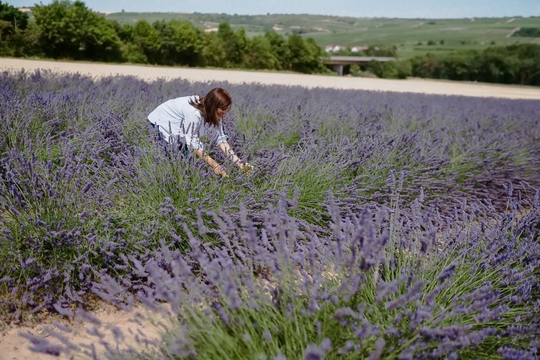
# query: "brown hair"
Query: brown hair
208,105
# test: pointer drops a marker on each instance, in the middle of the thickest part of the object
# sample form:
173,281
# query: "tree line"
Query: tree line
69,30
527,32
513,64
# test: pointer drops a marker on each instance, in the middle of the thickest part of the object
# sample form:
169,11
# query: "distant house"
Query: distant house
334,48
359,48
25,10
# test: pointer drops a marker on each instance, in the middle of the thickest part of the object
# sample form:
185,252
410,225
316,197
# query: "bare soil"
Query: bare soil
13,346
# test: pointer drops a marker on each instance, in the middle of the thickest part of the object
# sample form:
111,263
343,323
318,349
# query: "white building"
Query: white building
334,48
359,48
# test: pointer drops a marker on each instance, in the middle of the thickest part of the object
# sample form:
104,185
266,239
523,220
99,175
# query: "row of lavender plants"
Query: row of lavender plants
375,225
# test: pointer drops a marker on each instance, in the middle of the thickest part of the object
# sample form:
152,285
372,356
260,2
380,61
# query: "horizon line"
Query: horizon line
106,12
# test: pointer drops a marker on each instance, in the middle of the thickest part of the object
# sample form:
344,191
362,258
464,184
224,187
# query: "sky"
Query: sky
355,8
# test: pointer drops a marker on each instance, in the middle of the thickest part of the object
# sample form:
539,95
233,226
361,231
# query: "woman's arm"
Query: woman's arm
218,169
229,153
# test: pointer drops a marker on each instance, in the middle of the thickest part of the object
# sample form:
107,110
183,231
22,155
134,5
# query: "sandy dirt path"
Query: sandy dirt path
16,347
150,73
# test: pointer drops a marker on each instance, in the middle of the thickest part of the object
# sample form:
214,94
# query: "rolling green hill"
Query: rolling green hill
410,36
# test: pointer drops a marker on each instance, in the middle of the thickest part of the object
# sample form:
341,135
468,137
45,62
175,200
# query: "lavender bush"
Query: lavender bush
378,286
376,224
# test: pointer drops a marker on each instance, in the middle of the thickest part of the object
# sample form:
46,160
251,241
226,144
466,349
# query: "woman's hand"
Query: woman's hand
220,171
247,168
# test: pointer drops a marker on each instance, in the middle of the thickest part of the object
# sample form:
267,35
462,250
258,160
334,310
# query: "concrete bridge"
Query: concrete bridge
337,62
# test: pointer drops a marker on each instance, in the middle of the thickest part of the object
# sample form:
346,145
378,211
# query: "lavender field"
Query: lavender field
375,225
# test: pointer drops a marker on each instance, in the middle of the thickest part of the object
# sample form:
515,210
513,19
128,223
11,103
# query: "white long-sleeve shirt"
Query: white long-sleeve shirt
176,118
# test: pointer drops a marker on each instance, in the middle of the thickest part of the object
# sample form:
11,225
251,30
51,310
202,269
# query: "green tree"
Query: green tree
461,65
425,66
146,41
6,29
497,65
13,24
403,68
25,43
17,19
527,32
70,30
133,54
213,52
376,67
305,56
515,64
124,31
279,48
234,44
259,54
180,42
528,72
225,48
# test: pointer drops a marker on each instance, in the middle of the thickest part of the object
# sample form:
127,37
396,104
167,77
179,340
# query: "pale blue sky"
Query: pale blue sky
355,8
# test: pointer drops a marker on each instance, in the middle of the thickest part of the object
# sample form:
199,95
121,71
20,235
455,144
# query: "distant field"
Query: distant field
411,36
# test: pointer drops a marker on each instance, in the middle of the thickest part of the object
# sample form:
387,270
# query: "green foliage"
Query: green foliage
24,43
376,67
389,70
399,69
213,52
259,54
425,66
515,64
70,30
133,54
180,42
5,27
15,35
146,39
17,19
225,48
124,32
234,44
279,48
528,32
304,55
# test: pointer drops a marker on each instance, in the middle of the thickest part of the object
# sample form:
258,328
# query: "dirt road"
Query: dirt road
278,78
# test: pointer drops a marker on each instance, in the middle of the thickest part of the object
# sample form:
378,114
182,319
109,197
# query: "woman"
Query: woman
186,119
